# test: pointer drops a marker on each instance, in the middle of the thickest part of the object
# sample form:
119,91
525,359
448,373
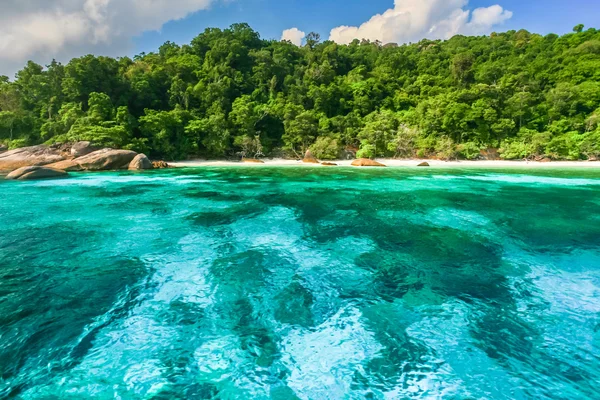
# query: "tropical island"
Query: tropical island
230,94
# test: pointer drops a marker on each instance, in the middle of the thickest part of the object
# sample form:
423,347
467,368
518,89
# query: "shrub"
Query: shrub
367,150
468,151
326,148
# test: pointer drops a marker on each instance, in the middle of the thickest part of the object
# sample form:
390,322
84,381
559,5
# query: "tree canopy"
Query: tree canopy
230,92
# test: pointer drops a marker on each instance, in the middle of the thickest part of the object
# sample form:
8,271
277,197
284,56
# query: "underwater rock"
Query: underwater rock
365,162
140,162
35,172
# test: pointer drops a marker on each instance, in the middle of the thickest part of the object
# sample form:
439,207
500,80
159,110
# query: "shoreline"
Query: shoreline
391,163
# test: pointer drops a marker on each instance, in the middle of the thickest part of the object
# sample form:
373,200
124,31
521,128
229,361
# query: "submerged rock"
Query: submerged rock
160,165
252,160
309,158
101,160
326,163
29,156
365,162
30,173
424,164
140,162
80,149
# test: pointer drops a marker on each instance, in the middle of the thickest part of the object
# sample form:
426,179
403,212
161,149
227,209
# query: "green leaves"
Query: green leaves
230,92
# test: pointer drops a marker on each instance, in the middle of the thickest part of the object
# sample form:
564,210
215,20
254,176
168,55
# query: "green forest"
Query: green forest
230,93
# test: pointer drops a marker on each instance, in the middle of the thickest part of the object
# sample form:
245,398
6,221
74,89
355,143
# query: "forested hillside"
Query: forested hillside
229,93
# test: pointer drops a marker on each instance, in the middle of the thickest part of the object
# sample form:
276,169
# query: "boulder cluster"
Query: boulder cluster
40,162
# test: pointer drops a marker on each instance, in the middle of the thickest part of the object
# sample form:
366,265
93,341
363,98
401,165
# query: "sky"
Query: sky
40,30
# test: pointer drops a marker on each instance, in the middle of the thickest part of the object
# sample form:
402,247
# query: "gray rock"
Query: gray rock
29,156
30,173
101,160
80,149
140,162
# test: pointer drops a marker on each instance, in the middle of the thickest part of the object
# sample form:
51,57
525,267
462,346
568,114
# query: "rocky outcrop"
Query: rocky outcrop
29,156
252,160
80,149
329,164
101,160
30,173
140,162
423,164
309,158
160,165
365,162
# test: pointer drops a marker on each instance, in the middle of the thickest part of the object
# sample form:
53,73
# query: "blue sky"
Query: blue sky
42,30
271,17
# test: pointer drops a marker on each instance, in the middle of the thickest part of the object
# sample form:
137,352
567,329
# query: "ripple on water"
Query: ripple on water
290,283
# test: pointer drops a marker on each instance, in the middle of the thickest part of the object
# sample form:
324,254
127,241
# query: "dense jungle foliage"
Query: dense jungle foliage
231,93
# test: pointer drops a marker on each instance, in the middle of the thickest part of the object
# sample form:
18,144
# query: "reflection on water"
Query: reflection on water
289,283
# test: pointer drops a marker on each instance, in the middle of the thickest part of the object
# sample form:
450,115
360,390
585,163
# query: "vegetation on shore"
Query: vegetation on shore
231,93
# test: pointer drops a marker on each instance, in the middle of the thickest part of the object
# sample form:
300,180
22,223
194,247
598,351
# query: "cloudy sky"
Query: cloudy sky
44,29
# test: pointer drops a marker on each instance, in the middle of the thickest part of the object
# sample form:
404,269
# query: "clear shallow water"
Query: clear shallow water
288,283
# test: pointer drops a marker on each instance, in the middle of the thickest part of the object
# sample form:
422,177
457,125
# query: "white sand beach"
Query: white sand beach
278,162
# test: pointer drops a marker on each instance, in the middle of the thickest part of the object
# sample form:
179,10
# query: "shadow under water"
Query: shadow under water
301,283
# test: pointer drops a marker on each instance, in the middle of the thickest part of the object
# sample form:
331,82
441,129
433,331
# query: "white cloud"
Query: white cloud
413,20
45,29
293,35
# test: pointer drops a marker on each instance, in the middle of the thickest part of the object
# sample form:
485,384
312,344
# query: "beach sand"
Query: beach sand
395,163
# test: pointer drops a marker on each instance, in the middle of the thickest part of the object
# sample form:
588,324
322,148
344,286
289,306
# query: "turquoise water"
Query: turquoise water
301,283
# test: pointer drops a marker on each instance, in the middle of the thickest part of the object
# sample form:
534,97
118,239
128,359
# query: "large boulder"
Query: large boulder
140,161
101,160
365,162
30,173
423,164
80,149
309,158
29,156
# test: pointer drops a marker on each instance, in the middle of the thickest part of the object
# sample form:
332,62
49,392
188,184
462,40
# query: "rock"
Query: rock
365,162
80,149
30,173
29,156
545,160
423,164
309,158
252,160
328,164
3,148
101,160
160,165
140,162
490,153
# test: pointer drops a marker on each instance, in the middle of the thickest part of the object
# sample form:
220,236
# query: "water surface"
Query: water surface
301,283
